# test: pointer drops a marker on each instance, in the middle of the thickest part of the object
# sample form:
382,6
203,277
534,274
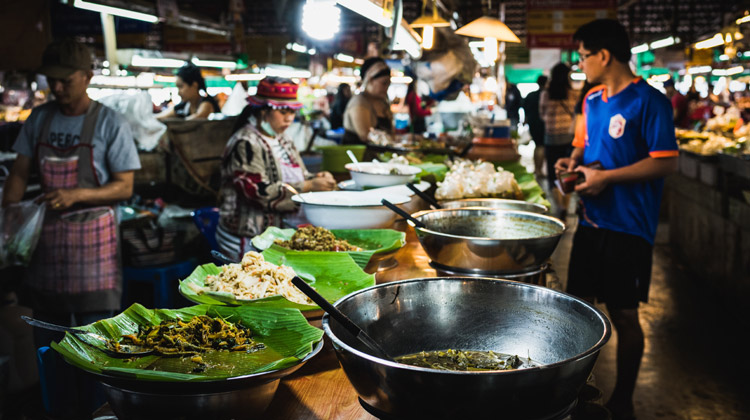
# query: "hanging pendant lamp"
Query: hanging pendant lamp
488,27
429,23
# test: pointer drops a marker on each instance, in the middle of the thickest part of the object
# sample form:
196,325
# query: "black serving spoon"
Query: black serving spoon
342,319
402,213
127,350
424,196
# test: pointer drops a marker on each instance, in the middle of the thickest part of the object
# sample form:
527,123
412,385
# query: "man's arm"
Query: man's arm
569,163
644,170
15,184
119,188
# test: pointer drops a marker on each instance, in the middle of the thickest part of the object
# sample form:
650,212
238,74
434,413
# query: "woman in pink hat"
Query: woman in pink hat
258,160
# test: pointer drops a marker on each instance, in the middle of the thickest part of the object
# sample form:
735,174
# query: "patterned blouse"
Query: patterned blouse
558,116
252,196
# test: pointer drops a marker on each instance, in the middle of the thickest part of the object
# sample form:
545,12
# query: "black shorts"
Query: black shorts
614,267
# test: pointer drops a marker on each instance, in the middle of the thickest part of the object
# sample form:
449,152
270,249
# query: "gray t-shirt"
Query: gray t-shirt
113,143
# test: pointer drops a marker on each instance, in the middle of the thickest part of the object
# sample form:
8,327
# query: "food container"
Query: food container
496,203
562,333
487,241
376,174
349,209
241,398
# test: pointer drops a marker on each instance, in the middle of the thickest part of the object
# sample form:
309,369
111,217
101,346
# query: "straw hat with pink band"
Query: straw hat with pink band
276,93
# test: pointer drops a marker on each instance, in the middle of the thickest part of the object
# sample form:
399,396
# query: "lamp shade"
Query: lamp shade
487,27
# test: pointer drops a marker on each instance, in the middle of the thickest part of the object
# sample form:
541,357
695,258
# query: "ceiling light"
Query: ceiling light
286,72
429,23
485,27
743,19
321,19
139,61
408,41
401,80
639,49
343,57
699,69
490,49
369,10
578,76
735,70
715,41
221,64
116,11
664,42
244,77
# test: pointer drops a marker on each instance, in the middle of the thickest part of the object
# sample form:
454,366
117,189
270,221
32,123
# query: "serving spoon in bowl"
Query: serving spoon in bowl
342,319
127,350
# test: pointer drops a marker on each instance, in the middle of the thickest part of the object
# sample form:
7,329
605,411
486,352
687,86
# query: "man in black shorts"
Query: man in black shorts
628,129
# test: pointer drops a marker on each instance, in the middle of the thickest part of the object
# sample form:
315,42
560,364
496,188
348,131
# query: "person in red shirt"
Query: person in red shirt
679,104
416,111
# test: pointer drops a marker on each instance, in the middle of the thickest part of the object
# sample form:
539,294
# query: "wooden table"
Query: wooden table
320,390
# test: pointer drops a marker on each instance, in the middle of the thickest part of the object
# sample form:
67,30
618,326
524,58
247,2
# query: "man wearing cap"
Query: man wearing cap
85,156
259,161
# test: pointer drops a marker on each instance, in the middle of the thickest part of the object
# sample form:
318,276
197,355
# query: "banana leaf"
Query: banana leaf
333,274
372,241
532,191
285,332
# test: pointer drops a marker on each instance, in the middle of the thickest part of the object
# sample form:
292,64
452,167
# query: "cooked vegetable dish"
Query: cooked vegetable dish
199,335
312,238
467,360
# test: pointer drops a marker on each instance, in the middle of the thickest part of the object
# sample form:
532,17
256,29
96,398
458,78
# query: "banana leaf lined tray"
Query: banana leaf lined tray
372,241
333,274
285,332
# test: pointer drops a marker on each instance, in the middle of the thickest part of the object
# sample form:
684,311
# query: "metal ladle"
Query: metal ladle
342,319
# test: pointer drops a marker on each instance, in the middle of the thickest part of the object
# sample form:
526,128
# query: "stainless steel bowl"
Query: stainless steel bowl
496,203
560,331
488,241
243,397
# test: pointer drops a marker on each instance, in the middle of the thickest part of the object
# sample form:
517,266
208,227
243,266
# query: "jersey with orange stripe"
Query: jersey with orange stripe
618,131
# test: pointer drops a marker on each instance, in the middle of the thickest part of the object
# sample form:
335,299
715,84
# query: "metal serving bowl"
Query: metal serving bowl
242,398
559,331
488,241
496,203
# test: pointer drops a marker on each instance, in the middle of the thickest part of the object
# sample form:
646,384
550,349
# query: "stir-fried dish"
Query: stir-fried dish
312,238
465,360
256,278
199,335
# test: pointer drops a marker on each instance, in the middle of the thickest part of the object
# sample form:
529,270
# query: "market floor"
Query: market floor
695,365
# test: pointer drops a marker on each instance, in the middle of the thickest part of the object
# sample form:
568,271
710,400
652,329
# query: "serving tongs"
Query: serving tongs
93,339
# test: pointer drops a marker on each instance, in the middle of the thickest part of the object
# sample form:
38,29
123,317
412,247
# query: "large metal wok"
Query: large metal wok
241,398
495,203
559,331
487,241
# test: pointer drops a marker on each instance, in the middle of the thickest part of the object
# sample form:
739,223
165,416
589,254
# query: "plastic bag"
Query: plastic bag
20,229
138,111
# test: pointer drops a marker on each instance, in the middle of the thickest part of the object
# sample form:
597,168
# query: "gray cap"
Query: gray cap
63,58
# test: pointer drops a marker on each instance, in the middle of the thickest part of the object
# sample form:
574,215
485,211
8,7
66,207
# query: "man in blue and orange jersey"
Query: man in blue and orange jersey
628,128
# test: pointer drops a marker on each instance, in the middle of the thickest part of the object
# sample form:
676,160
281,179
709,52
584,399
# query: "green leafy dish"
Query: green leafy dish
284,332
372,241
532,191
332,274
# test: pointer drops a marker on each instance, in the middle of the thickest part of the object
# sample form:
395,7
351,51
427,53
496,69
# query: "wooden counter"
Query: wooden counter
320,390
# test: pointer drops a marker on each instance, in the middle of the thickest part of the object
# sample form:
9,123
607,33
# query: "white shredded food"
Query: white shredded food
467,179
255,278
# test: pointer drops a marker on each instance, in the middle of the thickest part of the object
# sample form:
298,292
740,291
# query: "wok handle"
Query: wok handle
421,194
342,319
402,213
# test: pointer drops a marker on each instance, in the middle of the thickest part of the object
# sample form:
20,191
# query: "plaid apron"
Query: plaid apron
77,252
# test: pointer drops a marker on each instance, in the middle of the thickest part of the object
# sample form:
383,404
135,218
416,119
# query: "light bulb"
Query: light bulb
490,49
427,37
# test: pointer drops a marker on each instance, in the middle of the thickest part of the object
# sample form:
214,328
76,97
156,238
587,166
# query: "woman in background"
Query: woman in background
343,94
195,102
557,109
258,161
416,111
370,108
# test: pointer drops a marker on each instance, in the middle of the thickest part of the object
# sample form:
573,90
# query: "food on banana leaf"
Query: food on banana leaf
312,238
467,179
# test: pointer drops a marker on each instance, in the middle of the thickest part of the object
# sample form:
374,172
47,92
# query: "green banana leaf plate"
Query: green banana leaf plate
332,274
372,241
285,332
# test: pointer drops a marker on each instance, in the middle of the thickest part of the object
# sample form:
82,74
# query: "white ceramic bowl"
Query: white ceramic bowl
349,209
373,174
